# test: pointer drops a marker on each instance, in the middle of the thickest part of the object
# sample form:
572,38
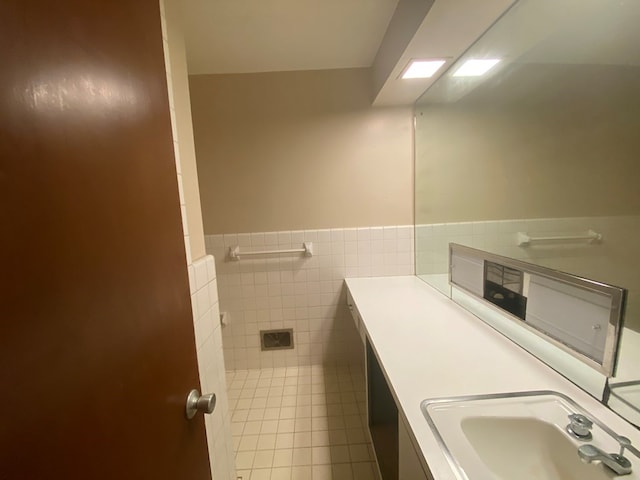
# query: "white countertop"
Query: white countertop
430,347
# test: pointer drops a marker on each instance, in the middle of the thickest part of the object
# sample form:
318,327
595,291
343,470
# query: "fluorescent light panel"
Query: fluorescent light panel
476,67
423,68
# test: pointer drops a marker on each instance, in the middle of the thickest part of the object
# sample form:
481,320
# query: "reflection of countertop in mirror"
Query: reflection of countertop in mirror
440,281
629,358
625,386
430,347
625,399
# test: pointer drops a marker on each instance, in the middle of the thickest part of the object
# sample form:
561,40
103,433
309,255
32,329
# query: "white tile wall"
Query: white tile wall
208,335
303,293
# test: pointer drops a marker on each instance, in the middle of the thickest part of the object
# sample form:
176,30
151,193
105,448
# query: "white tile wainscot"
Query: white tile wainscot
208,336
303,293
430,347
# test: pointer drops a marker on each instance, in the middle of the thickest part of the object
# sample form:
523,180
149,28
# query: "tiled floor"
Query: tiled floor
300,423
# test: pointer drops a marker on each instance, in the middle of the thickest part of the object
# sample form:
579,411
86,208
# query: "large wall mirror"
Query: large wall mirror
538,159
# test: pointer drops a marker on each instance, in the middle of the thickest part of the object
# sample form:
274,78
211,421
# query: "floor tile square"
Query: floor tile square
248,442
275,401
286,426
288,412
261,474
263,459
359,452
301,456
289,401
364,470
302,425
285,440
338,437
303,411
320,455
320,438
318,410
244,460
256,414
283,457
252,428
301,439
281,473
340,454
321,472
268,426
301,472
356,435
319,423
341,471
267,442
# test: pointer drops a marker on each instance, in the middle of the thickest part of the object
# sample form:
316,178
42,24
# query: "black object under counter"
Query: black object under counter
383,418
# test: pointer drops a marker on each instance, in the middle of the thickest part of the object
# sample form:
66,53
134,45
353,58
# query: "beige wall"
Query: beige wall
564,160
182,127
299,150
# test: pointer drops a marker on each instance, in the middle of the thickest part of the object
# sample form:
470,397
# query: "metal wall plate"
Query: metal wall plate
616,296
280,339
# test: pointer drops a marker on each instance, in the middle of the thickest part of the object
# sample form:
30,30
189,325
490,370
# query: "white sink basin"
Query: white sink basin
526,449
517,437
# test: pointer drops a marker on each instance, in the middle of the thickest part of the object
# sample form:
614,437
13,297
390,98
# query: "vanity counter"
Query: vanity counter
430,347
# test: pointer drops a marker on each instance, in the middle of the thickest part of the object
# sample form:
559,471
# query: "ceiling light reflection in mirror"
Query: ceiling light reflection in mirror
423,68
476,67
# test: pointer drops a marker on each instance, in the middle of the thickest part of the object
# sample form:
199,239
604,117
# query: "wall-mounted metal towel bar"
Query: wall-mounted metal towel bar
307,250
524,239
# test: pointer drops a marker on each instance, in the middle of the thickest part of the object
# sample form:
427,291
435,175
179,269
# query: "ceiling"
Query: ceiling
244,36
249,36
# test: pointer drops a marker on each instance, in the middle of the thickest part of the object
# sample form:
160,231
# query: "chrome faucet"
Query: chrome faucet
615,461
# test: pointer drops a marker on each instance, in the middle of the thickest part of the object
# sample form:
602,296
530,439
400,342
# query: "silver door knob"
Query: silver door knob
197,403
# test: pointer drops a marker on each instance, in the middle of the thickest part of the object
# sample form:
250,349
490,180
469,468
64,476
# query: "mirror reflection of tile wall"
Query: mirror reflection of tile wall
606,261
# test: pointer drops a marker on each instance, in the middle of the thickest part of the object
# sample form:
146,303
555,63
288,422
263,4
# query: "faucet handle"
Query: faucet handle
580,426
625,444
619,464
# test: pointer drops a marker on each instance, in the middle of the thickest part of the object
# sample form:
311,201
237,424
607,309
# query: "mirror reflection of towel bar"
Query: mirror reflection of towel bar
307,249
524,239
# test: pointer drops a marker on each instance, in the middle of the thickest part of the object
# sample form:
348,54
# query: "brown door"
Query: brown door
97,349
